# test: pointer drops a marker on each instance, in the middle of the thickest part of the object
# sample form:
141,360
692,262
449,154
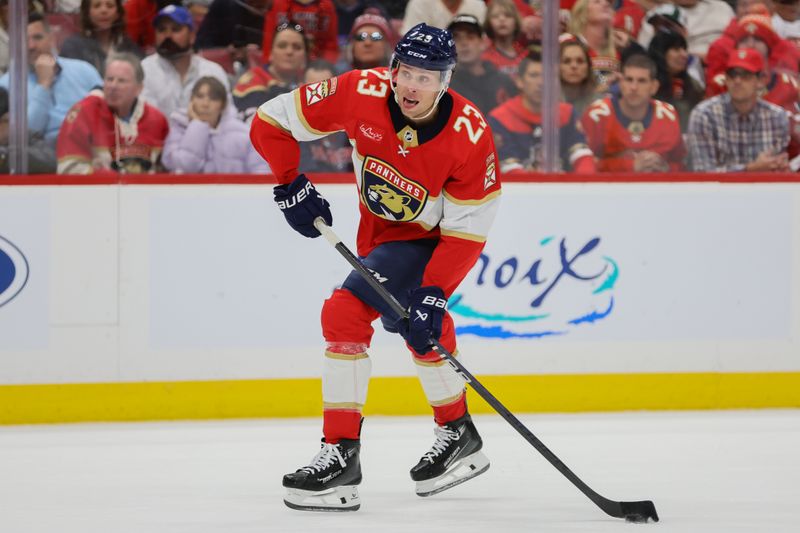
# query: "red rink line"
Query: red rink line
516,177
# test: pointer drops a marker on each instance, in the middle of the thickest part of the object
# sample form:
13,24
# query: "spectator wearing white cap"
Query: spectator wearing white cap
173,70
738,130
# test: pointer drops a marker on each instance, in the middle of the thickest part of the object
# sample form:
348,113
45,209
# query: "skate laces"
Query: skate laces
325,458
443,438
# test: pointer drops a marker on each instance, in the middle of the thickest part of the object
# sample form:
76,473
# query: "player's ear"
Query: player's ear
654,88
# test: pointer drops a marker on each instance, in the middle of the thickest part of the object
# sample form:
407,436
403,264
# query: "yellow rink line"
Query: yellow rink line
90,402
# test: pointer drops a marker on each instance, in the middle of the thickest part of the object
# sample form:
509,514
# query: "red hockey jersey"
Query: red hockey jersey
615,139
436,181
92,138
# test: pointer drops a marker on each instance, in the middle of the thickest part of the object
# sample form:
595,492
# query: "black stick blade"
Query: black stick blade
639,512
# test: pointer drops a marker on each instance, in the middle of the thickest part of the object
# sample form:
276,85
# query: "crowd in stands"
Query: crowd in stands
646,85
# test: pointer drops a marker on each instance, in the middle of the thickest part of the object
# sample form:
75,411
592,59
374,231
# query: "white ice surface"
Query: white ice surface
706,472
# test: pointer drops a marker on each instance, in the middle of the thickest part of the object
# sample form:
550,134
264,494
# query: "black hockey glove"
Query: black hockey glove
425,313
301,204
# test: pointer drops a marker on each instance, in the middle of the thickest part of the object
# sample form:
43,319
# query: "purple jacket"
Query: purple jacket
193,147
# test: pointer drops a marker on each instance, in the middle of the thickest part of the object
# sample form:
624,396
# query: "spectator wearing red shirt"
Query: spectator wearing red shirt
754,31
783,55
634,132
113,130
503,27
318,19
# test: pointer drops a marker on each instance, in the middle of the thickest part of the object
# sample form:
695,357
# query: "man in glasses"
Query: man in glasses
425,164
738,130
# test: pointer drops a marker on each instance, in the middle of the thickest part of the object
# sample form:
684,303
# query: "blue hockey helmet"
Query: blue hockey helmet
426,47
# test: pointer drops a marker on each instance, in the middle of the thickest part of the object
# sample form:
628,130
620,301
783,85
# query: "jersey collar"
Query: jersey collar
410,135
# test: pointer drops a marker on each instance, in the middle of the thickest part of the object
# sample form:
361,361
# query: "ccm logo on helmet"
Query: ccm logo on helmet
417,54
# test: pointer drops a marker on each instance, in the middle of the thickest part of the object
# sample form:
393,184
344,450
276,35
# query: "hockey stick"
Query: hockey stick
640,511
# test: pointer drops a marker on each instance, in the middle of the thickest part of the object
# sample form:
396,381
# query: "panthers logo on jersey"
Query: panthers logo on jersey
388,194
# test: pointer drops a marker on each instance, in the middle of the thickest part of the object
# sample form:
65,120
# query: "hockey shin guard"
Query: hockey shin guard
443,387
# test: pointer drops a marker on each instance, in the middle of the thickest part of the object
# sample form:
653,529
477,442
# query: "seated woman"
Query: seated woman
676,86
283,73
578,85
102,25
208,138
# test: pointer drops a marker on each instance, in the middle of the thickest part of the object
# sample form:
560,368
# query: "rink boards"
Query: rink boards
164,301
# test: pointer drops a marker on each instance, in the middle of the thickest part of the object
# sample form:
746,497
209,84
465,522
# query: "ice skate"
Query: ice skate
454,458
330,482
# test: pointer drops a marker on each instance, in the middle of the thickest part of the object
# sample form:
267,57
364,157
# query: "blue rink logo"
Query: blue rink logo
552,289
13,271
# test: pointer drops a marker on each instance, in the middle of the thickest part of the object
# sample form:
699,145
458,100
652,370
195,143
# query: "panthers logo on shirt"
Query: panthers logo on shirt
388,194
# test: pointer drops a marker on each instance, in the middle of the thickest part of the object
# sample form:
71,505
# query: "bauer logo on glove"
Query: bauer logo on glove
301,204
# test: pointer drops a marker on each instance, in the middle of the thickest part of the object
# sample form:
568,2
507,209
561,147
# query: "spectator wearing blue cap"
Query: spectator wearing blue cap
172,71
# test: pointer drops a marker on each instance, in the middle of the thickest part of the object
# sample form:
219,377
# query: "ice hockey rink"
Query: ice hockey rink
706,471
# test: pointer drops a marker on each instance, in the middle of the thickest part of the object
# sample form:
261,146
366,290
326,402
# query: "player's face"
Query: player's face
530,85
103,13
288,52
120,87
416,90
676,58
573,67
637,86
39,41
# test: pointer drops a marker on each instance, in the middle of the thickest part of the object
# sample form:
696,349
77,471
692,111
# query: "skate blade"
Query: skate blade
461,471
337,499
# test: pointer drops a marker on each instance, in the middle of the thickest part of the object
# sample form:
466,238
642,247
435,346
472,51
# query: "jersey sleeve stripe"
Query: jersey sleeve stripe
269,120
465,236
470,222
488,198
302,118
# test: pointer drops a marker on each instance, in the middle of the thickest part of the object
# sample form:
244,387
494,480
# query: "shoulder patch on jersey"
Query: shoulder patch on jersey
490,178
316,92
388,194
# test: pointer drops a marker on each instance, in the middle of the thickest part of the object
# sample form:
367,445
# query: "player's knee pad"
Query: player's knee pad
345,318
345,376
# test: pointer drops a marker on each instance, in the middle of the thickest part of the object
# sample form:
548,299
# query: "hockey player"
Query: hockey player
425,164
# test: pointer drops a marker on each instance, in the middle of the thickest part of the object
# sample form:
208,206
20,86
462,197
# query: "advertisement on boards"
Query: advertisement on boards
24,274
